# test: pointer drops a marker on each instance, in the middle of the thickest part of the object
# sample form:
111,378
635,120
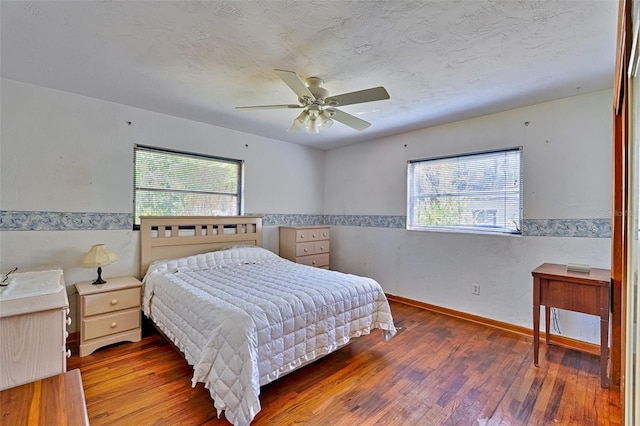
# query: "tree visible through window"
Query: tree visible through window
170,183
478,192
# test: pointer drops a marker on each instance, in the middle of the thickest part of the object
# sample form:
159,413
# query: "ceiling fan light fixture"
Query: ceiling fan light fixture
324,119
300,123
312,125
303,118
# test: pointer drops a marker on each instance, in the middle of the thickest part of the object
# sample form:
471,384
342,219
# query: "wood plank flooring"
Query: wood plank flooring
437,370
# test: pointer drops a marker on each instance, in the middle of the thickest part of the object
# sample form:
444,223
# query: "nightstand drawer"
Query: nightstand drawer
314,260
105,325
111,301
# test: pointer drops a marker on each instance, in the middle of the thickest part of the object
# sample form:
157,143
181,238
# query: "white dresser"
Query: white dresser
309,245
33,334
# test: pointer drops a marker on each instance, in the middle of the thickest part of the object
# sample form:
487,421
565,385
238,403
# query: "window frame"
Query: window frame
240,163
470,229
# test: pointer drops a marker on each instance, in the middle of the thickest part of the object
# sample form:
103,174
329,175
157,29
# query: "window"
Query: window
171,183
480,192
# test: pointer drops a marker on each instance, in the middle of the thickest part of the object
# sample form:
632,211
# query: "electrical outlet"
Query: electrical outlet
475,289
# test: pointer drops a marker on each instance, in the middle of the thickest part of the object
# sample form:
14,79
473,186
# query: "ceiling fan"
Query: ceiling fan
319,109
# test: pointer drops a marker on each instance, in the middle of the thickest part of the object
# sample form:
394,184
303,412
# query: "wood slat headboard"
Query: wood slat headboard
166,237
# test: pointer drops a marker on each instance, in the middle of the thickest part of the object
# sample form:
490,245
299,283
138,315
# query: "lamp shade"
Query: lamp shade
312,120
299,124
98,255
325,120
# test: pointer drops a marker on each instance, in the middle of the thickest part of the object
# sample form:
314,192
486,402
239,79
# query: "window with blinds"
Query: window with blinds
478,192
172,183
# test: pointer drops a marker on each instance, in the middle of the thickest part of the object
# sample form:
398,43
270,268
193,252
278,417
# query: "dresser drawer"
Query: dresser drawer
318,260
322,247
105,325
111,301
312,234
312,247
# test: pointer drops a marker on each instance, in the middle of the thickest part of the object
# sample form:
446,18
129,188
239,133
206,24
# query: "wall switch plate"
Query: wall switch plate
475,289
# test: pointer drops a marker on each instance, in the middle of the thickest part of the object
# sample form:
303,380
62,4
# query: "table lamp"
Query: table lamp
99,255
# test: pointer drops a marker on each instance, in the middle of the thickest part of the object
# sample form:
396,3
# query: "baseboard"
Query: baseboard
512,328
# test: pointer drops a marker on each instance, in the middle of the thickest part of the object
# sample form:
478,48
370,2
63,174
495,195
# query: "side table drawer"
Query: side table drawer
105,325
111,301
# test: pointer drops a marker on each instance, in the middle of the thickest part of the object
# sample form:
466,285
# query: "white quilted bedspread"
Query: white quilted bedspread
244,317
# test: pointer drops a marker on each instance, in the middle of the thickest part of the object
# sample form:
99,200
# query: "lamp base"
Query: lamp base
99,280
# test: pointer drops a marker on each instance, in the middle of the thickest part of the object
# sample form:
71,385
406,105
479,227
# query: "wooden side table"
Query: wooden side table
57,400
586,292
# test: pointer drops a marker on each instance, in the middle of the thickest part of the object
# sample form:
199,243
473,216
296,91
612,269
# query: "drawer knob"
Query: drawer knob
68,353
314,235
324,234
313,262
321,247
114,302
306,250
113,324
302,236
66,334
68,321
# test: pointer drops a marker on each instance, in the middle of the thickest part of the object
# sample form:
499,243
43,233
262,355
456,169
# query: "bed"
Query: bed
243,316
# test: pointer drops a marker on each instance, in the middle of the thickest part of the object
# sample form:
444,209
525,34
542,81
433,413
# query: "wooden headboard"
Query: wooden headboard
166,237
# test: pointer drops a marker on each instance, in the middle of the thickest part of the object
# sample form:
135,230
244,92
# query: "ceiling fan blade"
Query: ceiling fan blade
348,119
290,106
295,83
367,95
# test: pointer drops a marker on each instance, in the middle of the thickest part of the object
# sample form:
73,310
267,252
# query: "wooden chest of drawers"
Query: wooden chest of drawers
309,245
109,313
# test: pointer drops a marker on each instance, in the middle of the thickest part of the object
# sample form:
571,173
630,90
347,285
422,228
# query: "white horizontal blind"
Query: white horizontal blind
170,183
480,192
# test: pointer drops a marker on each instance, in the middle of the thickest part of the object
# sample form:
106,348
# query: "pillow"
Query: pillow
231,255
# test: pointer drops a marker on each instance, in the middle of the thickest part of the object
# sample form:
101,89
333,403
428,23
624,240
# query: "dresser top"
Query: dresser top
306,227
26,305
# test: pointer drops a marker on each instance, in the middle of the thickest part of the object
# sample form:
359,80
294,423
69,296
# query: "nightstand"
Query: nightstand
109,313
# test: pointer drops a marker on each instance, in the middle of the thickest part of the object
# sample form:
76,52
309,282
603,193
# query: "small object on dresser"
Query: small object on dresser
99,255
578,267
4,282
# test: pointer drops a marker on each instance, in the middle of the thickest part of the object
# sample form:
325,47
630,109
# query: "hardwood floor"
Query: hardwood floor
437,370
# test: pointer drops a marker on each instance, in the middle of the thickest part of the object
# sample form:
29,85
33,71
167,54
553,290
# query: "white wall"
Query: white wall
68,153
62,152
567,175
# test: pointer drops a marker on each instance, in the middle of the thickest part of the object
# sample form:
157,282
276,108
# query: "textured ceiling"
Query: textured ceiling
440,61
